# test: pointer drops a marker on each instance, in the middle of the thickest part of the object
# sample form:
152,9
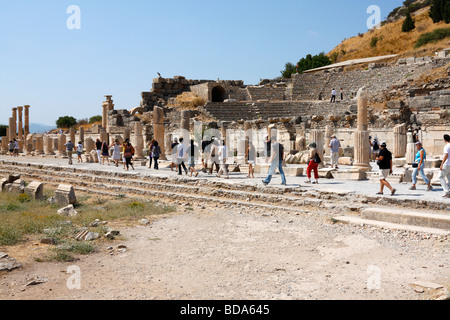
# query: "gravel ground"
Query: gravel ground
223,253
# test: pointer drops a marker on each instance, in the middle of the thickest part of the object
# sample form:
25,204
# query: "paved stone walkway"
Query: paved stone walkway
366,188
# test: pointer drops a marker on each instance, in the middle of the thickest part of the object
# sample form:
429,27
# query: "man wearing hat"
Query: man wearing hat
335,146
69,146
384,161
418,166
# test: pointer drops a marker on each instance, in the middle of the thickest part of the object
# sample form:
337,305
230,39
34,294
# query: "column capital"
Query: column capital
20,108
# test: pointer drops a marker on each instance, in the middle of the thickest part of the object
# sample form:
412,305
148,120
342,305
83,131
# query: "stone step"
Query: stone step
408,217
392,226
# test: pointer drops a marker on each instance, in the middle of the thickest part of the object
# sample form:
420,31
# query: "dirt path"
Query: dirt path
233,253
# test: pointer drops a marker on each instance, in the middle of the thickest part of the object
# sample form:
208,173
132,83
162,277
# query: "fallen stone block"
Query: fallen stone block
35,190
18,186
3,183
13,177
357,175
7,263
68,211
65,195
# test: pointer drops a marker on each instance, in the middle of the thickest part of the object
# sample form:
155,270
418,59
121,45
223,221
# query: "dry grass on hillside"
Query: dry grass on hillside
391,40
186,101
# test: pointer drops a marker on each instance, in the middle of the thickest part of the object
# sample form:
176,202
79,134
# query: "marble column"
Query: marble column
107,105
48,145
11,131
81,136
20,128
410,148
39,145
167,144
104,136
248,138
27,121
158,128
29,144
5,142
61,145
139,141
72,135
317,136
400,141
14,116
362,140
126,134
328,133
185,126
55,143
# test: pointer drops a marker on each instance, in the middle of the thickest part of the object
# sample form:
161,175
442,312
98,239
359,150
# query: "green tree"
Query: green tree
66,122
409,24
447,12
3,129
95,119
437,10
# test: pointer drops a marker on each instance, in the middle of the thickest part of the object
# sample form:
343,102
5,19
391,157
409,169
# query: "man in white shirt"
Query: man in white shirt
180,162
444,174
333,96
223,152
335,146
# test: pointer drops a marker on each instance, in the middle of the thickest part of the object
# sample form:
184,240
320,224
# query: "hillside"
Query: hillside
390,39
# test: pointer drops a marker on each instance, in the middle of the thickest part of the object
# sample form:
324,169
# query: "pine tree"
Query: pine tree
437,10
408,24
447,12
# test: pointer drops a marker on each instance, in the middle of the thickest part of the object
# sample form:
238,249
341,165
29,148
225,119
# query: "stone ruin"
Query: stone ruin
297,109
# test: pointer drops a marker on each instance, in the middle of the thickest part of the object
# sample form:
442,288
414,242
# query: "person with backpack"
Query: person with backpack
70,146
276,161
375,149
150,154
116,152
98,146
105,152
79,152
11,148
384,161
313,164
156,153
128,152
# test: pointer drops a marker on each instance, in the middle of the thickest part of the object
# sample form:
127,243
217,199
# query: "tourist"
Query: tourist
205,154
418,166
69,147
156,153
128,152
116,152
213,160
335,146
16,148
384,161
223,155
98,145
174,148
190,155
105,152
150,156
313,164
251,158
124,160
79,152
276,161
342,94
333,96
180,160
375,148
444,173
11,148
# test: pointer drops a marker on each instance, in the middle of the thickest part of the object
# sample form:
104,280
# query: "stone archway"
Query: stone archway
139,110
218,94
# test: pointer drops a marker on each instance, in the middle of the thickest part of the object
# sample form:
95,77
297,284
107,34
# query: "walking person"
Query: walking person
180,156
276,161
444,173
123,153
105,152
16,148
156,154
214,156
79,151
98,146
418,166
268,148
384,161
128,152
313,164
251,158
174,148
342,94
69,147
335,146
116,152
375,149
11,148
190,155
150,155
333,96
223,155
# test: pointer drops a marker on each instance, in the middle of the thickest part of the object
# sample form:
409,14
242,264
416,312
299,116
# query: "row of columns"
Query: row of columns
17,130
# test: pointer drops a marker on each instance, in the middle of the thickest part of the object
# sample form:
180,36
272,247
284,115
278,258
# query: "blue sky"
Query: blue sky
123,44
